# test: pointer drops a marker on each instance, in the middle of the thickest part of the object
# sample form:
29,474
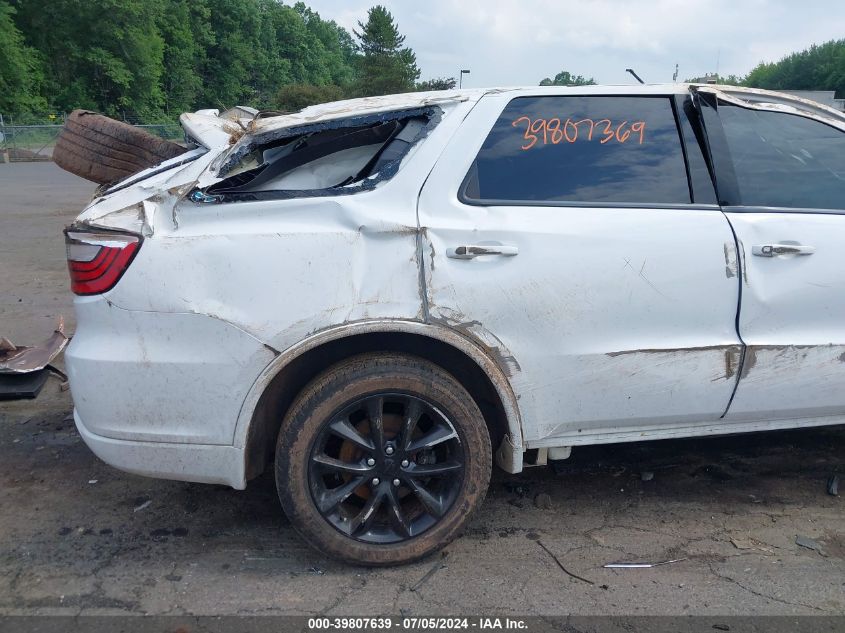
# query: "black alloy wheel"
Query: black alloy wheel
386,468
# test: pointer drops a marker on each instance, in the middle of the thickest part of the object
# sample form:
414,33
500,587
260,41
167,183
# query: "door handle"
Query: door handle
471,251
770,250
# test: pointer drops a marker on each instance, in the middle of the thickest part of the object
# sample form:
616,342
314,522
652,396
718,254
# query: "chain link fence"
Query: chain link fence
32,137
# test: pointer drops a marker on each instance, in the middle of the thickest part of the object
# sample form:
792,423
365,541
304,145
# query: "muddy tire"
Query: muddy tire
103,150
382,460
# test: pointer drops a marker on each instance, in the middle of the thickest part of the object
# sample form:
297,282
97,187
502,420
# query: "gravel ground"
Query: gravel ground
78,537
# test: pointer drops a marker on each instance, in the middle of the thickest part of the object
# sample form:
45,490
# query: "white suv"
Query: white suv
383,296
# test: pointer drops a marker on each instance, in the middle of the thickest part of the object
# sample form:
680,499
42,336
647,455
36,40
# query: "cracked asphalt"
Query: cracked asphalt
78,537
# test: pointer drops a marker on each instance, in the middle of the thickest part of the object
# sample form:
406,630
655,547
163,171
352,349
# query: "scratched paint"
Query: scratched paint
791,318
610,324
615,316
800,371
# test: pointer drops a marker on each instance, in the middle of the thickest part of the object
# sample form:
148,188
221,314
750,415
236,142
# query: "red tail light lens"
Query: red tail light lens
98,260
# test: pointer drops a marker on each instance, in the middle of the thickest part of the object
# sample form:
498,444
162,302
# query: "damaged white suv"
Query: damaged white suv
384,296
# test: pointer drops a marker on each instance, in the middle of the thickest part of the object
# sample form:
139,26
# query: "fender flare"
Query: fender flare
508,455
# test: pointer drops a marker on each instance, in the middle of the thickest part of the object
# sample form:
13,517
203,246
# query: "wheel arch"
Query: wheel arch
273,392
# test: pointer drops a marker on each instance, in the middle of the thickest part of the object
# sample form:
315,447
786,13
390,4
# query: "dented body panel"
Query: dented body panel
791,317
598,324
607,318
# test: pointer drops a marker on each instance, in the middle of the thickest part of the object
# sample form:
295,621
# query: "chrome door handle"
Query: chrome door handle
770,250
470,251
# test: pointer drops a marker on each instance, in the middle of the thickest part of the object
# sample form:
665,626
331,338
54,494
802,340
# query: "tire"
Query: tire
443,481
103,150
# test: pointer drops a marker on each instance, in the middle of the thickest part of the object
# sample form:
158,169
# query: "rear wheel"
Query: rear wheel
382,459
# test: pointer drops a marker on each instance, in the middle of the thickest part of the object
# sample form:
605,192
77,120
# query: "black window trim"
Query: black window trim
691,113
496,202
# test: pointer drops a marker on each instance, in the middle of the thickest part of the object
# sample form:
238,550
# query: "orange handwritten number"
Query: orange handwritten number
625,135
592,126
540,124
553,126
639,128
527,136
556,133
608,131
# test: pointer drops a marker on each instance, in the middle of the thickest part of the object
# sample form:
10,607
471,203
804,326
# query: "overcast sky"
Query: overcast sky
520,42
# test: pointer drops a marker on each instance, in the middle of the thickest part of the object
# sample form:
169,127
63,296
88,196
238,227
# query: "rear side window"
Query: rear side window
785,160
325,158
612,149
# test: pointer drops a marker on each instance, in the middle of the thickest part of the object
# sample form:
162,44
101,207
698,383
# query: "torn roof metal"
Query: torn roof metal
361,107
772,101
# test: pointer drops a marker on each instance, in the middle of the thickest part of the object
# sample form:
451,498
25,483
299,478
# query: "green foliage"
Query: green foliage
819,67
294,97
153,59
439,83
186,30
564,78
385,66
105,54
21,73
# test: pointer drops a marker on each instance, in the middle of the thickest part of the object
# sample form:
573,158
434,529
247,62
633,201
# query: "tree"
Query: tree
336,44
819,67
294,97
236,64
564,78
100,54
439,83
385,65
150,59
21,72
187,35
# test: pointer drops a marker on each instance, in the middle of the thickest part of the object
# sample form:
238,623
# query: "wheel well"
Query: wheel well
292,379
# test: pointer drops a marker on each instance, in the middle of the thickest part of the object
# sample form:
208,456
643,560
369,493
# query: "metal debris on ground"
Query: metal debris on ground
543,501
833,485
140,507
24,359
806,541
641,565
24,369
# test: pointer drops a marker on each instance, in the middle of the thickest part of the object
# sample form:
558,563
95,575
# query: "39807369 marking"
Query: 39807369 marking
555,131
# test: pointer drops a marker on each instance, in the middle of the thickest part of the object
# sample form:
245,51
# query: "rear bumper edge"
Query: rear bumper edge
201,463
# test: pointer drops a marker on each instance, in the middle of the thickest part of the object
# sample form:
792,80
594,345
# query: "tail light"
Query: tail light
98,260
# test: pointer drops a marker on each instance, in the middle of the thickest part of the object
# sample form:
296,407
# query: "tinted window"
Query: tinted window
582,149
783,160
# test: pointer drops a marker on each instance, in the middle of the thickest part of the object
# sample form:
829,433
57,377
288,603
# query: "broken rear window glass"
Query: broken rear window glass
329,158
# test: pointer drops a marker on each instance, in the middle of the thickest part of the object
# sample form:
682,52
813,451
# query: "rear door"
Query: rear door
564,234
782,177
